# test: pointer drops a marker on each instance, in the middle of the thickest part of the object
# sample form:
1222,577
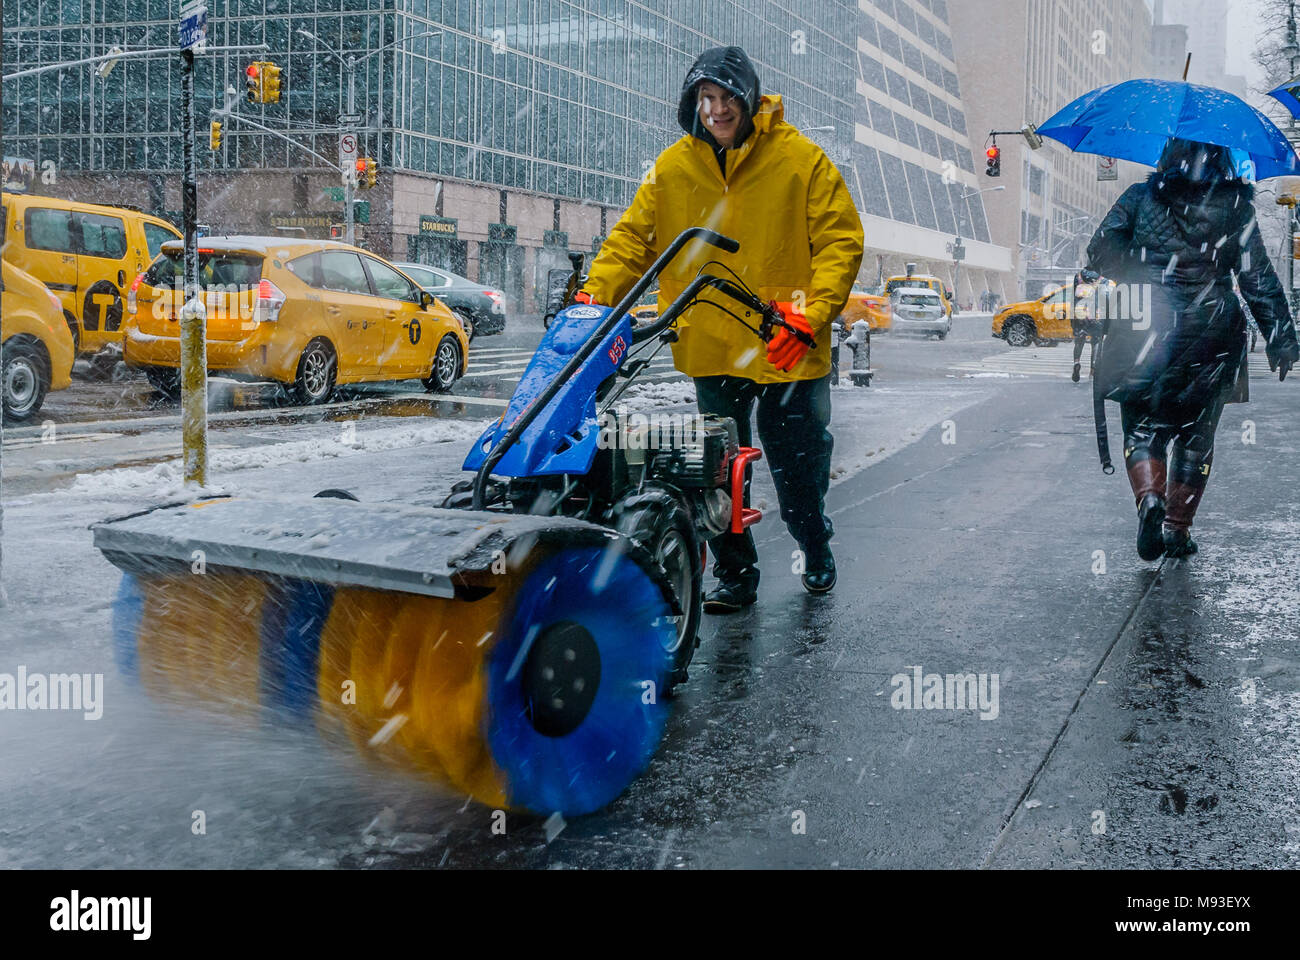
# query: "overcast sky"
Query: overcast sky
1243,34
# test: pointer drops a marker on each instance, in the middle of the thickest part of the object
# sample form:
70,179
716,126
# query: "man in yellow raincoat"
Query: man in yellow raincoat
743,171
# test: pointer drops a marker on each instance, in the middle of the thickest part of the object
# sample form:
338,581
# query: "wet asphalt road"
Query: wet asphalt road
1147,716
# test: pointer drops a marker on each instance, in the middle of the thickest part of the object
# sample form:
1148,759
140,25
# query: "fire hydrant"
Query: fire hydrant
859,341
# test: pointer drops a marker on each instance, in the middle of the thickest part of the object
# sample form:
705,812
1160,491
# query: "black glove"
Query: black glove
1089,275
1281,358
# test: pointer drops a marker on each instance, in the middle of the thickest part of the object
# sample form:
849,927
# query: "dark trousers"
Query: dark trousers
792,421
1147,436
1079,338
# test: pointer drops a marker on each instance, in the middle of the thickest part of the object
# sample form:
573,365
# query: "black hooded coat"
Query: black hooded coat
731,69
1176,242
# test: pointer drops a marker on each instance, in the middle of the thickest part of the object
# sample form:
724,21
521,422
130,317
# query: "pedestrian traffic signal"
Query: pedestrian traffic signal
994,168
270,83
336,231
214,135
372,173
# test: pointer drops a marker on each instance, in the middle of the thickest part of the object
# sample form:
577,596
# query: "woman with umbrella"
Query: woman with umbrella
1177,241
1183,235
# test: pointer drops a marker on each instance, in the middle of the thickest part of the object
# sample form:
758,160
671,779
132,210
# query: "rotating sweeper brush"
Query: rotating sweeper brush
518,643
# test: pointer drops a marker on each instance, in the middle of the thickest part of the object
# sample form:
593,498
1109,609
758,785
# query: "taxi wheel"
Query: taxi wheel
446,366
24,379
317,369
1019,332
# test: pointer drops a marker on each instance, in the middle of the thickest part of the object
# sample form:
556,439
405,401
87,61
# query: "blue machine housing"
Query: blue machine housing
564,437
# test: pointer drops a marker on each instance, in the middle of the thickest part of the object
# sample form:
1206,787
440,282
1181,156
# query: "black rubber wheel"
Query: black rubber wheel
24,378
317,370
166,380
467,321
446,366
658,522
1019,332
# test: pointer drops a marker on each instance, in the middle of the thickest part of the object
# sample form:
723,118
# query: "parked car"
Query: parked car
483,307
37,352
919,310
310,314
87,254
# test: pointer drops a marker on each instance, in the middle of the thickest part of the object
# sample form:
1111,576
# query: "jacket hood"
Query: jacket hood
731,69
1205,210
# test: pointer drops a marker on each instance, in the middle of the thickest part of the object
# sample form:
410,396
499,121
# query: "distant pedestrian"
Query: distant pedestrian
1083,320
1182,235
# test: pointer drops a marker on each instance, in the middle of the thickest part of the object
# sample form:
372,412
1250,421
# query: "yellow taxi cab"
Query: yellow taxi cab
1036,321
870,304
914,279
37,353
310,314
647,308
87,254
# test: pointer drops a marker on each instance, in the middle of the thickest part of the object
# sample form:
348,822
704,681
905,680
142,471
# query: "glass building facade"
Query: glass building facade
913,155
566,99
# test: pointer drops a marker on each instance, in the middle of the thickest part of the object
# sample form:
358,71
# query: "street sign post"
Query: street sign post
348,156
348,153
193,322
193,25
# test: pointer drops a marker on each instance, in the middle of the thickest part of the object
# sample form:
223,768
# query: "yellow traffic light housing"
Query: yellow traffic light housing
270,83
214,135
372,172
253,81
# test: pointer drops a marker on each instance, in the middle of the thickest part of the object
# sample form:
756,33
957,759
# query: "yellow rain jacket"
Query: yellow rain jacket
800,240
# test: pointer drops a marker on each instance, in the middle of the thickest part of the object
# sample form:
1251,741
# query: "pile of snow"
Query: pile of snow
665,394
166,479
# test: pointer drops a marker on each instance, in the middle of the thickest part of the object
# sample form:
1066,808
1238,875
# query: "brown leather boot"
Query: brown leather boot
1183,499
1147,477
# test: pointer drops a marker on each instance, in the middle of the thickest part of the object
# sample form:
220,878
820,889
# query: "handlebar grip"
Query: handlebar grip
726,244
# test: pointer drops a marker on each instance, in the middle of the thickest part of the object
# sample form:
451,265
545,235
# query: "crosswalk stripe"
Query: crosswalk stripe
1057,364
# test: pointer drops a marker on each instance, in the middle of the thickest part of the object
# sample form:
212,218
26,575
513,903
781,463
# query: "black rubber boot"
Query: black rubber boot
1151,519
1075,376
732,594
819,571
1179,542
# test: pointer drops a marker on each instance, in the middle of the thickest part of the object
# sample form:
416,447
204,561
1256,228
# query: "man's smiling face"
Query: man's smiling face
720,112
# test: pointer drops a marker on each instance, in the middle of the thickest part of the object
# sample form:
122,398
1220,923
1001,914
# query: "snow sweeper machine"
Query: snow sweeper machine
518,643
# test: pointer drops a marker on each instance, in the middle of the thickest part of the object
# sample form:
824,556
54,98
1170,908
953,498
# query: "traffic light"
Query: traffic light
262,81
270,83
214,135
372,173
994,168
360,178
253,81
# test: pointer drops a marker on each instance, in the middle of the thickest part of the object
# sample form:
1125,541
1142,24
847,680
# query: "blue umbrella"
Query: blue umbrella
1133,120
1288,95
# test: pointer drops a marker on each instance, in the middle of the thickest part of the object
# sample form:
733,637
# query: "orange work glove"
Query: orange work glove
785,350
